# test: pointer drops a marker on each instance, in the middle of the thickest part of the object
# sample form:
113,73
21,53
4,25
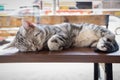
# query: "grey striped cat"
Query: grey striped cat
32,37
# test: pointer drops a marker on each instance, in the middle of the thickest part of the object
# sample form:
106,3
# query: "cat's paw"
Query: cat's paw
54,44
106,45
101,44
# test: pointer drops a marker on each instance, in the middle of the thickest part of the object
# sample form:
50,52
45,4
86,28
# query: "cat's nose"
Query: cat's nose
37,49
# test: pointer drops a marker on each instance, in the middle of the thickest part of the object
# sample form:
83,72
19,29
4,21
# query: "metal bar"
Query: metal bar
107,21
96,71
109,71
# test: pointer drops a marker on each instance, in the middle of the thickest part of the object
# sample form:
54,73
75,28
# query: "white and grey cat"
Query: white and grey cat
32,37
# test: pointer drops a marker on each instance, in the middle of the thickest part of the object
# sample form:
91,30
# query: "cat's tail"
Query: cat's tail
9,45
111,47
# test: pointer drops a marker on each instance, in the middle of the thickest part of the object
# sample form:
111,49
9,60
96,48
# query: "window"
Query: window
84,5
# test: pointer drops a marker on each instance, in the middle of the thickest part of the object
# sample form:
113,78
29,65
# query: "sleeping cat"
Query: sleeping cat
32,37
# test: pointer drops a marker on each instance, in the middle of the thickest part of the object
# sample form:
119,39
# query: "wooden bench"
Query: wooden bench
86,55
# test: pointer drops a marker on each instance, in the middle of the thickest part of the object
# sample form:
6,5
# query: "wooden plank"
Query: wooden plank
55,19
95,19
68,55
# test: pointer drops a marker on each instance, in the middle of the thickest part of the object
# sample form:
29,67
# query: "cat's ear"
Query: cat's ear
27,25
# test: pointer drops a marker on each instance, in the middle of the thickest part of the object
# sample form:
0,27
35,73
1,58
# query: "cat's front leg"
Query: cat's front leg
106,45
101,44
55,43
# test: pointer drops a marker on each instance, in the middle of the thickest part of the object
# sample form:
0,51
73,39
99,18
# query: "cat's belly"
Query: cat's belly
85,38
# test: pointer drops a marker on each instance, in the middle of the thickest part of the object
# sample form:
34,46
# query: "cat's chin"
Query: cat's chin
24,51
29,52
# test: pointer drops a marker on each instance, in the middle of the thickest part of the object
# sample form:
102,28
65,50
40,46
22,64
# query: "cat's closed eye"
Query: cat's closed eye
21,35
37,34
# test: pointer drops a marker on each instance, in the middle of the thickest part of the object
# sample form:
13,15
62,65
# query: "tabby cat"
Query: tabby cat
32,37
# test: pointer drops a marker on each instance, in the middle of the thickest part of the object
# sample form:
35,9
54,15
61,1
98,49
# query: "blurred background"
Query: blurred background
13,11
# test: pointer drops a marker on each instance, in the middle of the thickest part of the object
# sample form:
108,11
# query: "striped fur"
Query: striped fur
31,37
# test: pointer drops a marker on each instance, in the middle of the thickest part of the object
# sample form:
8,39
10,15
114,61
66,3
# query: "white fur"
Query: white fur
101,44
85,38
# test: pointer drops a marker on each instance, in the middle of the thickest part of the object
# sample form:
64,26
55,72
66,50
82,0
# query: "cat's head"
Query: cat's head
28,38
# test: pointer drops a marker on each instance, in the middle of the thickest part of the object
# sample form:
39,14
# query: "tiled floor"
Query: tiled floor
46,71
51,71
116,70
